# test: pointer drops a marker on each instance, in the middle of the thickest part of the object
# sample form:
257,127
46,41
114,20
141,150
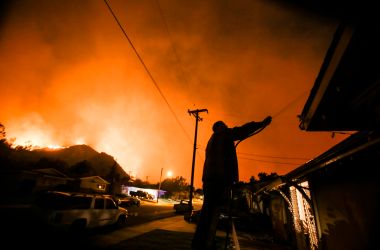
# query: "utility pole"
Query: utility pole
195,113
159,185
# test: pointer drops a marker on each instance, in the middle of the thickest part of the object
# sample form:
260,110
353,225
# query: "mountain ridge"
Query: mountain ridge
75,159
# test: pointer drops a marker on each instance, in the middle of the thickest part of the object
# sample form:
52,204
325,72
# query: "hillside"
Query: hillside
77,160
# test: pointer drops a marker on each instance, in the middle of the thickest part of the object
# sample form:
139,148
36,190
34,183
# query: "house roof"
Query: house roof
50,172
96,179
357,144
346,92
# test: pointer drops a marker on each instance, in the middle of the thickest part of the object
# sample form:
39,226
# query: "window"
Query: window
79,202
63,202
99,203
50,201
110,204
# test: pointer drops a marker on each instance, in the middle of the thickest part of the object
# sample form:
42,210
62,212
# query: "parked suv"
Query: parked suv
78,211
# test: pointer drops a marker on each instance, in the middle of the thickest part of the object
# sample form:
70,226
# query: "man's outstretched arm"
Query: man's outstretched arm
248,129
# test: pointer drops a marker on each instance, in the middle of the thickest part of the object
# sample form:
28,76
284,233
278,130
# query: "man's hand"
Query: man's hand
267,120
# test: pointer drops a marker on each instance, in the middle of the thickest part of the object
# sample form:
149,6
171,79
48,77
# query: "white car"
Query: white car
78,211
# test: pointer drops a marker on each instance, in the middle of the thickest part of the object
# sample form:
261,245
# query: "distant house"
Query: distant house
94,184
30,181
149,193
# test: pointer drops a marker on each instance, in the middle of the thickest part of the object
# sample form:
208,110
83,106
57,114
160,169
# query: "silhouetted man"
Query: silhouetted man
220,173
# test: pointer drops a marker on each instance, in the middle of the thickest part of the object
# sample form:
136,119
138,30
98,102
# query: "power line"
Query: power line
172,46
284,108
274,162
277,157
171,41
290,103
268,156
147,70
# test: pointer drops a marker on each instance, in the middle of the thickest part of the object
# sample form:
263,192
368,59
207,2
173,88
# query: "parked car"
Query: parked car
193,216
129,201
141,195
78,211
182,207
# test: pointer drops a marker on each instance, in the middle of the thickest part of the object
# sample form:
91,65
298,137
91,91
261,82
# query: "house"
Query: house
94,184
148,193
29,181
51,179
332,201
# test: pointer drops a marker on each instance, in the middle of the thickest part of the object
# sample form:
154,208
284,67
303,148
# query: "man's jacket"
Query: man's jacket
221,165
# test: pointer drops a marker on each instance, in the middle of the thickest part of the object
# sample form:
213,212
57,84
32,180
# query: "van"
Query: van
78,211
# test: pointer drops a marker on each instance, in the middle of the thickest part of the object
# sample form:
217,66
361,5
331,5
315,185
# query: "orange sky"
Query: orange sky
68,75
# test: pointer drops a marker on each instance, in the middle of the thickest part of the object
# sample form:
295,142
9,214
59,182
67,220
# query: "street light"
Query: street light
169,174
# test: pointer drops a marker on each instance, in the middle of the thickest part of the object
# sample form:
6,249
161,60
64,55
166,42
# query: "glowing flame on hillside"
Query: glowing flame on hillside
54,147
30,146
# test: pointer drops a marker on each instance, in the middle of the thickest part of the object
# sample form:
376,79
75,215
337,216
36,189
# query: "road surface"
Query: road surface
20,230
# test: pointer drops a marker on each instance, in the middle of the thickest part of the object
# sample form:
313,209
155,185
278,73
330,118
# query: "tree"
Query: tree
125,179
177,187
5,148
175,184
113,178
4,144
265,177
252,180
2,132
138,183
180,184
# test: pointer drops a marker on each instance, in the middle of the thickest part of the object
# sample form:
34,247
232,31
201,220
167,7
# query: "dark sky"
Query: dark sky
68,75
